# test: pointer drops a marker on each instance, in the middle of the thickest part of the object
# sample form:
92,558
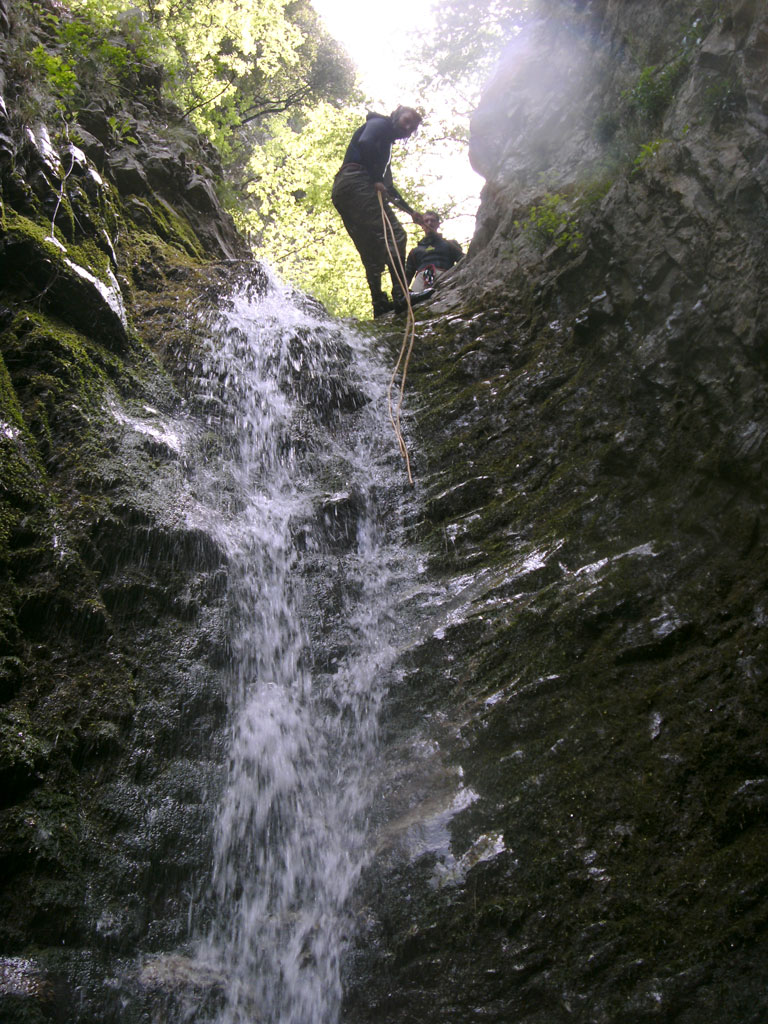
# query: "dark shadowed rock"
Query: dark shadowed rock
574,780
591,388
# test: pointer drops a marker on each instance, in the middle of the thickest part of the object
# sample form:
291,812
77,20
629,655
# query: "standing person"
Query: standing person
364,173
432,256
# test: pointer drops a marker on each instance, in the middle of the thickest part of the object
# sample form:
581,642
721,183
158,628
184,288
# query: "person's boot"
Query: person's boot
401,303
379,300
398,299
382,306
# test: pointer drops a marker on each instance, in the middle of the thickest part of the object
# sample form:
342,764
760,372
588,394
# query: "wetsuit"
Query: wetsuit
354,196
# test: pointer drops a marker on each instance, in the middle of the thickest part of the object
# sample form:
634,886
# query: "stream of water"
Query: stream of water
301,498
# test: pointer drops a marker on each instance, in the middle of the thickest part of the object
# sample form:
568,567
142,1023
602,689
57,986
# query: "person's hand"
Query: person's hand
380,187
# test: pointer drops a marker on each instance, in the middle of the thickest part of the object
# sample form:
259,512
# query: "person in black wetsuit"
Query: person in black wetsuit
364,173
431,257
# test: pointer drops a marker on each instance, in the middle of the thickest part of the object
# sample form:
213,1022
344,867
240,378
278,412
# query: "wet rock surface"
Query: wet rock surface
113,605
588,437
573,806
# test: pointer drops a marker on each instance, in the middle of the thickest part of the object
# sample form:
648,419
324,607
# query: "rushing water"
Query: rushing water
297,407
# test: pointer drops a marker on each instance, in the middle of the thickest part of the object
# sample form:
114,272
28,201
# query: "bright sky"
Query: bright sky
376,38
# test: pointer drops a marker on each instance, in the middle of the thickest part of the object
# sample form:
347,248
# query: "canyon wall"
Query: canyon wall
573,782
590,396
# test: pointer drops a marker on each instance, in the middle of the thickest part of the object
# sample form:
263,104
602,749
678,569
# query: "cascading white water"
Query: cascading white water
302,403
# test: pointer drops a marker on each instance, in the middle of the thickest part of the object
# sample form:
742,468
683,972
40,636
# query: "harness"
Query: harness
429,273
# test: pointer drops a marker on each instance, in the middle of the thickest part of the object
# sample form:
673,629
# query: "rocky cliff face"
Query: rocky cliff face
574,792
591,421
112,639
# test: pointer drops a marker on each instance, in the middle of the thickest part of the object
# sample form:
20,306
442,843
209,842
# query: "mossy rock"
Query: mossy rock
75,283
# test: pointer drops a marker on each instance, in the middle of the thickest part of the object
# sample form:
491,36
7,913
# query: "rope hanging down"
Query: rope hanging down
409,336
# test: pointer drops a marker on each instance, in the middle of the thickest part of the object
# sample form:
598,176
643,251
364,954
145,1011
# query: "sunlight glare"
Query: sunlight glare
376,39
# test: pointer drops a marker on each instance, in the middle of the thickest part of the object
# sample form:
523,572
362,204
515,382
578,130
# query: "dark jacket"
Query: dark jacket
371,147
435,251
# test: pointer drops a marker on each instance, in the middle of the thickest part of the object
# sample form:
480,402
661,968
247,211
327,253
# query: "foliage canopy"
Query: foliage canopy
229,64
276,95
464,45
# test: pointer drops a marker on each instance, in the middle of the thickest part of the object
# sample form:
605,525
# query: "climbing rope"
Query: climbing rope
409,335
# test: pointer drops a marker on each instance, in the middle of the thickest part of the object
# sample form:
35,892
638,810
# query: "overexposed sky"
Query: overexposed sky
377,39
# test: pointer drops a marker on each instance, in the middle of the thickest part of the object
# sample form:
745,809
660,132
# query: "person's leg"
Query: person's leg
379,299
396,268
356,200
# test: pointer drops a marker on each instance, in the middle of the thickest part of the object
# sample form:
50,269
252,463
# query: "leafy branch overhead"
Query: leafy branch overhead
226,64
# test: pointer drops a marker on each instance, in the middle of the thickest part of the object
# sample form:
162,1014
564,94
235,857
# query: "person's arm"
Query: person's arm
456,251
401,204
397,200
410,265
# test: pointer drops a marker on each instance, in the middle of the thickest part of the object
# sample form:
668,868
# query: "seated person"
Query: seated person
431,257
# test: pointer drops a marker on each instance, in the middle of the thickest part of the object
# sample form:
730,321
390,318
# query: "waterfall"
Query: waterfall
299,491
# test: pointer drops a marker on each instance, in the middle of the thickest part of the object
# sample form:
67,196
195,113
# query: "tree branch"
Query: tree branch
210,99
268,106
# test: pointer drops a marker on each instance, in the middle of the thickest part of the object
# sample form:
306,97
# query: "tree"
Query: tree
229,64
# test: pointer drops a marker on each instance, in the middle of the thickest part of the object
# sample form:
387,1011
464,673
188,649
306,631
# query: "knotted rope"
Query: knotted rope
409,335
